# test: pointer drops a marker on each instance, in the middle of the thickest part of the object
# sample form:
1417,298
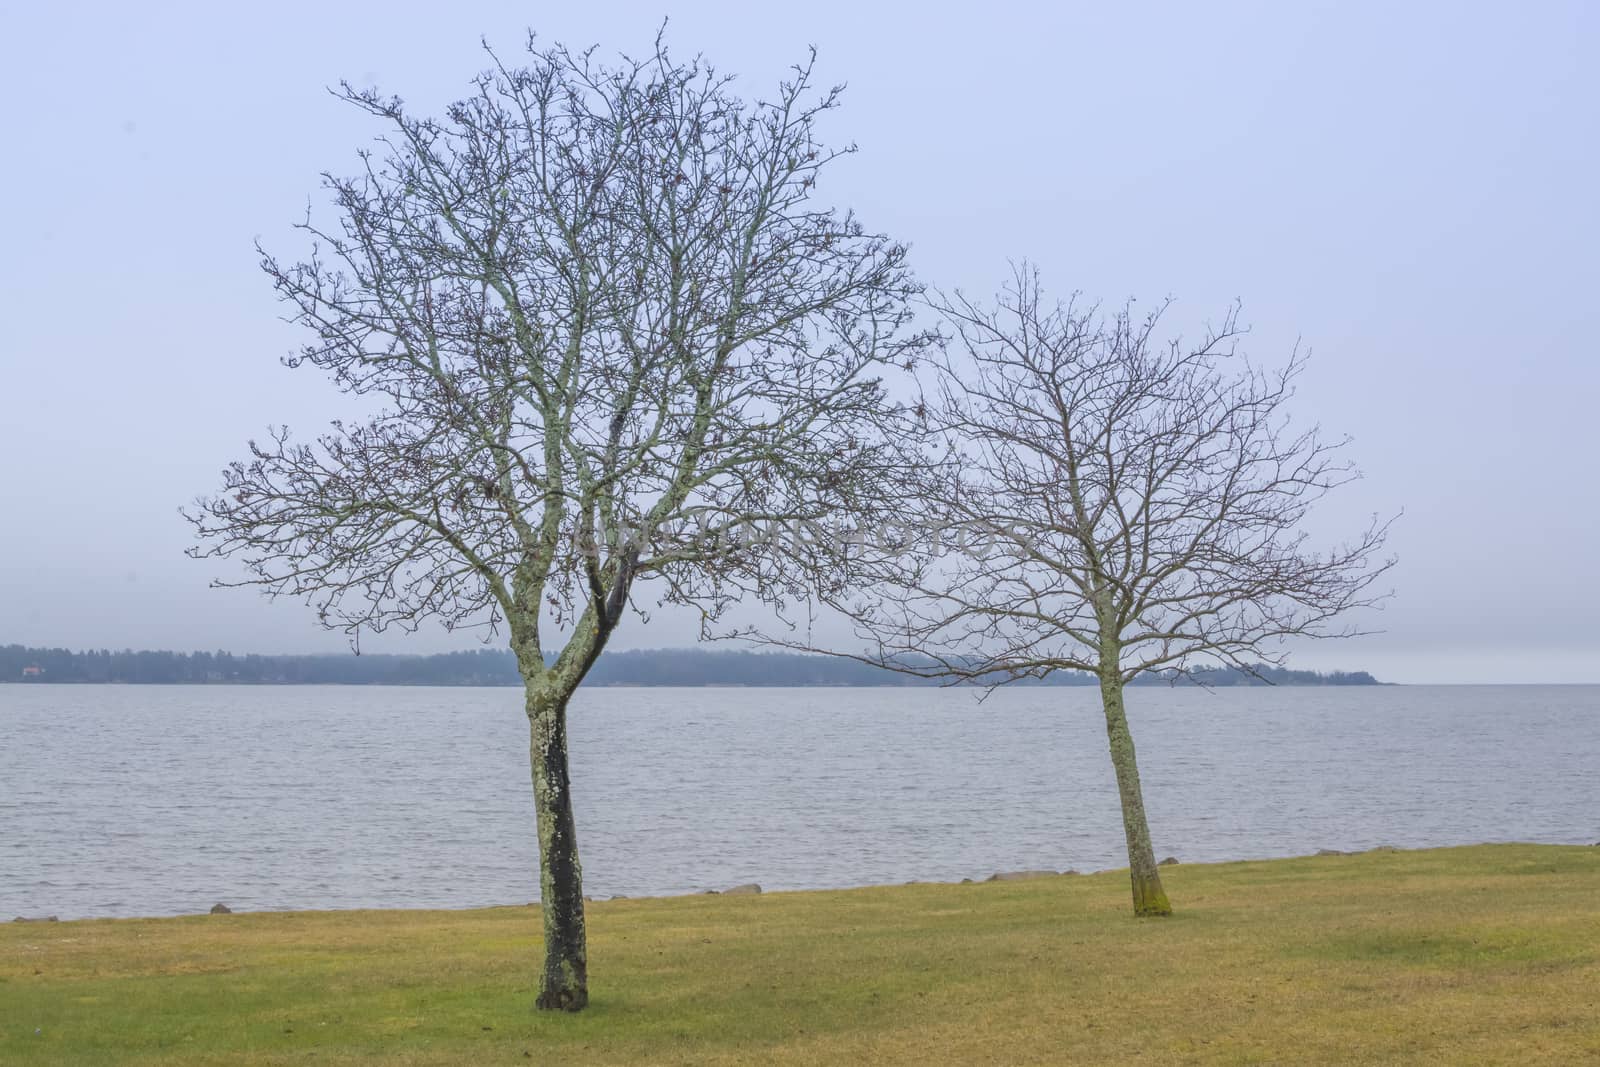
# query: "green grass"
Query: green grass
1488,954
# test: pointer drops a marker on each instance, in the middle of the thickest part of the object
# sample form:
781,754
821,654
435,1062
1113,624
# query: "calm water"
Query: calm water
145,800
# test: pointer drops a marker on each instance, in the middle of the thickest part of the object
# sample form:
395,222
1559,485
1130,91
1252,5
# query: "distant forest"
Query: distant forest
678,667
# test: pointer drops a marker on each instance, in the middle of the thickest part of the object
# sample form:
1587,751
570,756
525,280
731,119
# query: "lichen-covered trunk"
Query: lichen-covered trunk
1148,896
564,984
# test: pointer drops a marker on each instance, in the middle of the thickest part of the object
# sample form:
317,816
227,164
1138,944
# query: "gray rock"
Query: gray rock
966,881
221,909
1332,852
749,889
1383,848
1020,876
619,896
36,919
1170,861
1069,872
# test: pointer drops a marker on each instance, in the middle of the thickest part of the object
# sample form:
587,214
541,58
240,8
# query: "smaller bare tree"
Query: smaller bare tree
1117,505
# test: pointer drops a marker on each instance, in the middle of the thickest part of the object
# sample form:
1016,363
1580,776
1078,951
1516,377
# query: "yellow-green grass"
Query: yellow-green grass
1489,954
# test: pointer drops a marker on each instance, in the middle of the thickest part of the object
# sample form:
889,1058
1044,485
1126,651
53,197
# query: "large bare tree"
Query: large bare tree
1116,504
599,330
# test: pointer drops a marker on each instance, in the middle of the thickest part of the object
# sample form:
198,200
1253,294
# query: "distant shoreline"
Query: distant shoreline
19,683
675,668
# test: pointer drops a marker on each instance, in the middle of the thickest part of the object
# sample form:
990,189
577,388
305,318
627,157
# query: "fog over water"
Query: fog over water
1404,189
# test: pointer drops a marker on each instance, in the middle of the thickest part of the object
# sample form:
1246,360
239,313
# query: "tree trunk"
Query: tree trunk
564,985
1148,896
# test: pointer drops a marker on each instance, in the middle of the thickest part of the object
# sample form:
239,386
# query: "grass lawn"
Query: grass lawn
1488,954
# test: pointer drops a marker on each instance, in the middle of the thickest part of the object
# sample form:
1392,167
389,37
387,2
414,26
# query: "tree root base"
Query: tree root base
563,999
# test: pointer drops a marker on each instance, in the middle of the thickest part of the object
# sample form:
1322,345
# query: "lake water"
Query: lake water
147,800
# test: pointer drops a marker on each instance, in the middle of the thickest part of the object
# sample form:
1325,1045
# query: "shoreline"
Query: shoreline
757,889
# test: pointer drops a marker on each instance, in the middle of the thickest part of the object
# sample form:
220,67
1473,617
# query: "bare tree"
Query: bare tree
600,332
1117,505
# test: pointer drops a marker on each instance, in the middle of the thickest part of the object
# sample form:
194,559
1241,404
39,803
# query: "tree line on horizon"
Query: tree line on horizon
498,667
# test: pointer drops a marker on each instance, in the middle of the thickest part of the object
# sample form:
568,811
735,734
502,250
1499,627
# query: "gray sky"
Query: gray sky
1408,188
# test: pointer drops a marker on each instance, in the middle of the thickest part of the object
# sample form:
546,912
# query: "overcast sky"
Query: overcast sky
1410,189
